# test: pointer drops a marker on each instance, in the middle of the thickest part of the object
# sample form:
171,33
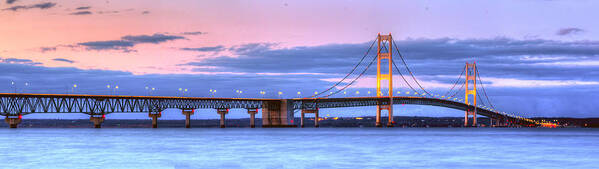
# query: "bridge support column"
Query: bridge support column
222,113
252,113
97,119
310,110
378,118
302,120
187,113
316,119
155,117
390,123
13,121
466,117
277,113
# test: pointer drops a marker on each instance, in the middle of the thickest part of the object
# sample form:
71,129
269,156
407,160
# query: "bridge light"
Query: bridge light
280,93
357,92
315,93
107,86
407,92
185,89
155,89
116,87
368,92
398,92
180,89
344,92
75,85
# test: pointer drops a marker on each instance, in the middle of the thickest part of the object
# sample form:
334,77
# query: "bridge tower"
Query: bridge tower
382,55
470,79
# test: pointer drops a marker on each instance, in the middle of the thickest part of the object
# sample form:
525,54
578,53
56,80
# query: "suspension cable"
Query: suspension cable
402,77
456,82
408,68
352,71
484,91
352,82
398,70
460,89
481,99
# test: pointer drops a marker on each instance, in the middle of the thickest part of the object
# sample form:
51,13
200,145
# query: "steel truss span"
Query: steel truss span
21,104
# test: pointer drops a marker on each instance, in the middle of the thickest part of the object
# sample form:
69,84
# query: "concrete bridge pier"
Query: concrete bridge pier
13,121
97,119
252,113
277,113
187,113
494,122
155,116
302,120
309,110
222,113
316,119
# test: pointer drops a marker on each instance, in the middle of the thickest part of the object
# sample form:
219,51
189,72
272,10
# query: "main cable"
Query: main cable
460,89
456,82
408,68
352,71
352,82
483,86
402,77
398,70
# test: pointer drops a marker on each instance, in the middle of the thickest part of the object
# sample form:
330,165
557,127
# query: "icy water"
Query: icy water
300,148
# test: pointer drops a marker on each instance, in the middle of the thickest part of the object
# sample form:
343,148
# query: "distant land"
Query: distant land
401,121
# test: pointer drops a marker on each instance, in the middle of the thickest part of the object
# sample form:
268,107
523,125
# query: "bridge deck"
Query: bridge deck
17,103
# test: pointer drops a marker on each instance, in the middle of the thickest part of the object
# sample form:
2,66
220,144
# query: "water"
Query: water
299,148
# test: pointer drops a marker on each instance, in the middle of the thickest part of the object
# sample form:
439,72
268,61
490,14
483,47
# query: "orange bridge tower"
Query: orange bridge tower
382,55
470,78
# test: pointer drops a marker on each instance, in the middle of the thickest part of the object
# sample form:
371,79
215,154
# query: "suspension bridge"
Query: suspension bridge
280,112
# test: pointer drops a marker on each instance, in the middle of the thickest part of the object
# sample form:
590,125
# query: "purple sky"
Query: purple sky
537,58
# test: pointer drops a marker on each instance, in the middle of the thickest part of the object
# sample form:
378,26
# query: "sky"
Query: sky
535,58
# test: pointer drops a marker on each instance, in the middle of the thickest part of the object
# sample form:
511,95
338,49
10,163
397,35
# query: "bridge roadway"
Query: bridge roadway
274,111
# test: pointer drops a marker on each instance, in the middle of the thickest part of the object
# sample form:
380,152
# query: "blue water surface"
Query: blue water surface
299,148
